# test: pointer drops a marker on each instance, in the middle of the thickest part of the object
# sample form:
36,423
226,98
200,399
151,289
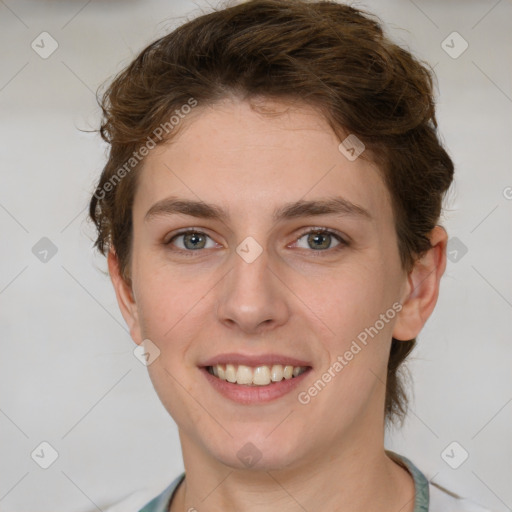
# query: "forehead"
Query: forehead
245,161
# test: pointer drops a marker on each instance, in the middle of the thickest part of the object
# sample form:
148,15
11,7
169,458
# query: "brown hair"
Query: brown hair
328,55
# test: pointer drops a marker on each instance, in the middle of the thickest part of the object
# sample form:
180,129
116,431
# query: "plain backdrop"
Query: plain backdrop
68,375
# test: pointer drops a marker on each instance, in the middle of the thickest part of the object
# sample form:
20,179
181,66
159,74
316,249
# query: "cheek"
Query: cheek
166,302
349,309
352,295
170,314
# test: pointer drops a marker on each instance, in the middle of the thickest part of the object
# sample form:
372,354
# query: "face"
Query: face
270,282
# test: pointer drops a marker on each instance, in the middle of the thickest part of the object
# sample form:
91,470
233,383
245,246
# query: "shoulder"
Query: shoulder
433,497
135,501
147,499
443,500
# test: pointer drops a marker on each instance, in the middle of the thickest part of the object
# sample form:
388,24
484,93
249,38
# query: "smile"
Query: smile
255,376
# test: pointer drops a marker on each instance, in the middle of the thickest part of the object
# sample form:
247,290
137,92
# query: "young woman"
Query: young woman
269,210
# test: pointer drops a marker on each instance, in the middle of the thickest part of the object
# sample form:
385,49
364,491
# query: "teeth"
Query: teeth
230,373
277,373
244,375
259,376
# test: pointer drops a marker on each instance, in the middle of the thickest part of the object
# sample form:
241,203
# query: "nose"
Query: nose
252,297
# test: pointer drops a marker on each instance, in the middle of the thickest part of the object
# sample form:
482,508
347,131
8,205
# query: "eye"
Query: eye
192,240
321,239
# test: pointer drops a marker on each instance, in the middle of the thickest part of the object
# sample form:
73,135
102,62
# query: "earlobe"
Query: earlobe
125,298
422,288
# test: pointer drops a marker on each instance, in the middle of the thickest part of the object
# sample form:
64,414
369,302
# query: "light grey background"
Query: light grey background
68,375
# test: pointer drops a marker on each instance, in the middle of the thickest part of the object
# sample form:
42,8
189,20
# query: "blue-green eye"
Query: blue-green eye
321,239
318,239
192,240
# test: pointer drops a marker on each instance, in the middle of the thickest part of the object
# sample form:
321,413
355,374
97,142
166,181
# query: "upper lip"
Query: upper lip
254,360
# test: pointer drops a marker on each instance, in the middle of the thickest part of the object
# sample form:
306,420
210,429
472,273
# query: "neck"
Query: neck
344,478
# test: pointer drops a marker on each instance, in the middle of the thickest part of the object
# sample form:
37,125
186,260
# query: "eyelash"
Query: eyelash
317,230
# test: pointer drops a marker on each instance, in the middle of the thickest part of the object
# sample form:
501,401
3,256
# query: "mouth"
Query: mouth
263,375
254,385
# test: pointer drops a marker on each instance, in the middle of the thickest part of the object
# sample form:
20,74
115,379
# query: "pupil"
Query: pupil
195,237
318,236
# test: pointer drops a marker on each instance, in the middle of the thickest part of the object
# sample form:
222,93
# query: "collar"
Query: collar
421,499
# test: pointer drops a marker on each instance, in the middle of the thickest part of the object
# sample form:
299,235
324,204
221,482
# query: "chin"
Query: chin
254,452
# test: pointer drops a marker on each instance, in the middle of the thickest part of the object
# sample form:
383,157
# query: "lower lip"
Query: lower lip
254,394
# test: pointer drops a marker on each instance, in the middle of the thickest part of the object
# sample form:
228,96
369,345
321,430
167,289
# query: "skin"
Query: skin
294,299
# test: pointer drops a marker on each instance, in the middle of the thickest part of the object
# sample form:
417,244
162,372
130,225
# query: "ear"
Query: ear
422,288
125,298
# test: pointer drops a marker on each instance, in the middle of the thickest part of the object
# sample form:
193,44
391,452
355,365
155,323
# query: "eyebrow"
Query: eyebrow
328,206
